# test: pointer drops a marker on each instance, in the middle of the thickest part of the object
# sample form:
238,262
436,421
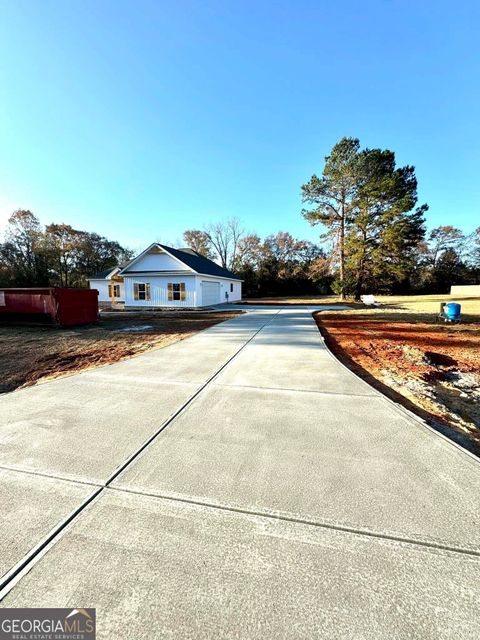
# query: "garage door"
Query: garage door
210,293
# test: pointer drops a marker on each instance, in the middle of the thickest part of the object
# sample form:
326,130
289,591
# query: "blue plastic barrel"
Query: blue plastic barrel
452,310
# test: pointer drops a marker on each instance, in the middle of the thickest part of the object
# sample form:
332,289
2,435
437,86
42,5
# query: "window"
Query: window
114,291
176,291
231,287
141,291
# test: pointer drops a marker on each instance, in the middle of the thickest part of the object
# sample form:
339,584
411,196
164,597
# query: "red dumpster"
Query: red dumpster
54,305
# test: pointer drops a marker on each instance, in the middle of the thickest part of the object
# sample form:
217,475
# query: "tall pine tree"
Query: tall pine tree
332,196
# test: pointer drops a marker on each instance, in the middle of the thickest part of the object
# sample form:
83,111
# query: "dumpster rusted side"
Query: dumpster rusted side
53,305
36,304
76,306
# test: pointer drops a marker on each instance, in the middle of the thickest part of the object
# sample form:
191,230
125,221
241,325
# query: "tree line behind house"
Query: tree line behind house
56,255
397,260
374,236
373,240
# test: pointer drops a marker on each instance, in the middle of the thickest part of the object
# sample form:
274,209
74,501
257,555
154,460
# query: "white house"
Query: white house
111,287
165,277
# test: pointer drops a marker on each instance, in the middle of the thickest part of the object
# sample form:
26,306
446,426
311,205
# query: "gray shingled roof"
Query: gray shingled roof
102,275
198,263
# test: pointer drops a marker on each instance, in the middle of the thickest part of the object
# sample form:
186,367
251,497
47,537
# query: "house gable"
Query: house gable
155,259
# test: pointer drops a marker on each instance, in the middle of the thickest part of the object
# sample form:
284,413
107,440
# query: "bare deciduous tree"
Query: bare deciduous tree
224,238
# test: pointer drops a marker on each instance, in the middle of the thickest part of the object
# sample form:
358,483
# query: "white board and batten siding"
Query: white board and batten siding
236,294
102,287
200,291
159,291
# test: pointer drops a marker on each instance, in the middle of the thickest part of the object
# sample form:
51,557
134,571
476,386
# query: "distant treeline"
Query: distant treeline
55,255
374,236
283,265
374,240
279,264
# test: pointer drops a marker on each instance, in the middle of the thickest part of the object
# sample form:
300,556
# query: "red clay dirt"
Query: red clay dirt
432,369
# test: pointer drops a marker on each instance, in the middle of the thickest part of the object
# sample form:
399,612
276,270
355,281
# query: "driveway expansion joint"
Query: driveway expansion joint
282,389
418,542
51,476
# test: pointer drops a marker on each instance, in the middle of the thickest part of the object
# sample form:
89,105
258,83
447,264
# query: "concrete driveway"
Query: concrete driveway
239,484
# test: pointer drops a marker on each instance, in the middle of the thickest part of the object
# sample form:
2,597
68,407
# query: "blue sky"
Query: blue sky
139,119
